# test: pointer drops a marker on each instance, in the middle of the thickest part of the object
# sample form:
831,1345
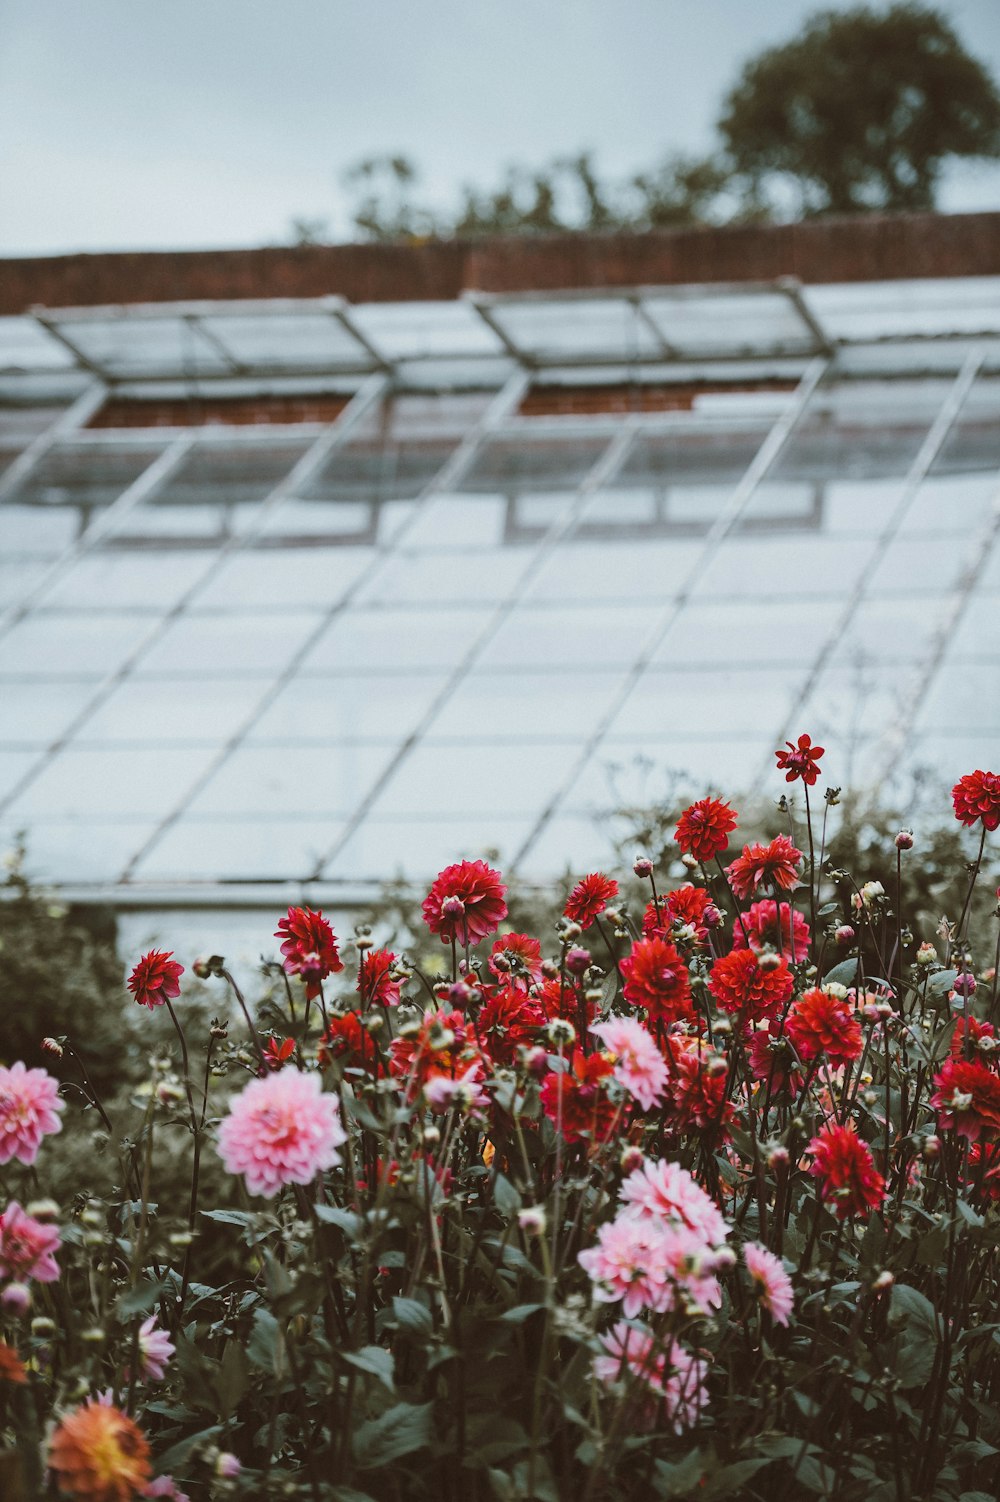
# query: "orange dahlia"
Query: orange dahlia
99,1453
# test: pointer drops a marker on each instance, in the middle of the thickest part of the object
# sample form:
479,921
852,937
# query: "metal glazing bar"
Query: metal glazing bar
456,465
723,525
649,323
341,311
792,288
895,739
339,431
924,458
79,412
600,473
51,326
485,311
214,342
103,524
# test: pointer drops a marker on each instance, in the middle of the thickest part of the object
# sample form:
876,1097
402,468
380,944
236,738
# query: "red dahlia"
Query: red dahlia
696,1091
777,862
309,947
773,1061
759,929
703,830
656,978
156,978
375,984
277,1053
977,796
977,1030
800,760
848,1178
968,1098
517,959
465,903
686,904
576,1100
820,1023
590,897
566,999
349,1042
509,1020
740,984
445,1044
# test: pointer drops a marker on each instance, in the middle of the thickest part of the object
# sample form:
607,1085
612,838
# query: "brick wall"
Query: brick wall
182,413
553,401
867,247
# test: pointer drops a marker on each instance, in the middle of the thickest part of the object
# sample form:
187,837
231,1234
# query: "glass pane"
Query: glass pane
755,324
378,638
775,631
83,783
417,848
54,645
566,704
380,705
239,849
745,702
524,462
741,567
603,328
477,777
446,577
85,475
290,780
128,345
421,330
38,712
171,711
277,339
860,430
252,643
533,636
973,442
959,504
107,580
627,571
274,576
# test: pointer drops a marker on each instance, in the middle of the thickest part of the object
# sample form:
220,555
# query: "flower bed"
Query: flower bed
697,1199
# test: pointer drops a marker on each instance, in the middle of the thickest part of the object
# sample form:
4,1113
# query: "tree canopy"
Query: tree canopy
862,109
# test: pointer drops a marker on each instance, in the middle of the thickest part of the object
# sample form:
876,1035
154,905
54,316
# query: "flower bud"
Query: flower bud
926,954
632,1158
43,1209
642,866
769,959
42,1327
52,1046
561,1033
932,1146
689,861
845,934
965,984
578,961
712,916
15,1299
904,839
227,1467
535,1060
884,1280
777,1156
532,1220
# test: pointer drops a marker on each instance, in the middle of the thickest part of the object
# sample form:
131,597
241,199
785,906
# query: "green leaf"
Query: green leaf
816,1476
844,974
412,1316
519,1313
505,1196
397,1432
233,1379
941,982
677,1478
264,1342
231,1217
727,1482
344,1220
175,1457
140,1300
374,1359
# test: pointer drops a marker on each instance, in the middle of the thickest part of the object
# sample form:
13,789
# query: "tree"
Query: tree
861,110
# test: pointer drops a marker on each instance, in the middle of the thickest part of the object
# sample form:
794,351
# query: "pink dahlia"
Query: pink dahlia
665,1191
29,1111
27,1246
155,1351
640,1067
465,903
281,1129
648,1266
672,1374
772,1286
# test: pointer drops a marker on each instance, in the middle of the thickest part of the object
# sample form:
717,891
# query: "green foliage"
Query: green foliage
862,109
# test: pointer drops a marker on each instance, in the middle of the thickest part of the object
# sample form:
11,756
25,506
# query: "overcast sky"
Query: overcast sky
180,123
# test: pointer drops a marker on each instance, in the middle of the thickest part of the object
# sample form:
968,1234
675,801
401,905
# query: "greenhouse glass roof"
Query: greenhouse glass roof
453,618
